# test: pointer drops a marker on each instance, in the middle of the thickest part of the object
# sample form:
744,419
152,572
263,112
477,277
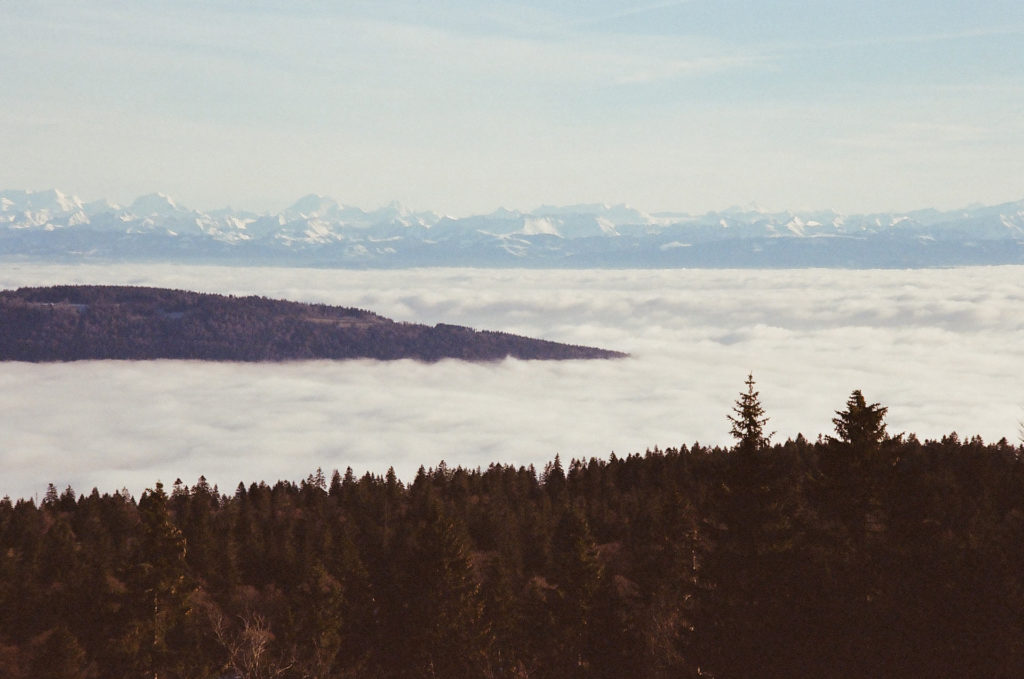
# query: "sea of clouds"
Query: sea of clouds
943,349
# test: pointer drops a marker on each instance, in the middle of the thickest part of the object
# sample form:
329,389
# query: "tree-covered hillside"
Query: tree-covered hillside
69,323
859,555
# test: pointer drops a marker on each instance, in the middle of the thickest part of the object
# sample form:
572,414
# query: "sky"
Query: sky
941,349
462,106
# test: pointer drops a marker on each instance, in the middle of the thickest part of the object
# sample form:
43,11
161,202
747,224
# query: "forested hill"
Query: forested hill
833,559
67,323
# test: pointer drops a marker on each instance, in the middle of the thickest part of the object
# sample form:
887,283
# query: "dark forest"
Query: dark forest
856,555
81,322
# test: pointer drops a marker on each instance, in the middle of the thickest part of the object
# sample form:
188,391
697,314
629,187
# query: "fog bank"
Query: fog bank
942,349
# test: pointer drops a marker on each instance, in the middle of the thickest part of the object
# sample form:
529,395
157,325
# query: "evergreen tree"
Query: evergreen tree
860,426
335,488
434,605
748,421
51,497
554,477
678,563
159,591
576,574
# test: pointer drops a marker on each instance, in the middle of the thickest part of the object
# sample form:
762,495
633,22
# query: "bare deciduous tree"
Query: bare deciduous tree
247,644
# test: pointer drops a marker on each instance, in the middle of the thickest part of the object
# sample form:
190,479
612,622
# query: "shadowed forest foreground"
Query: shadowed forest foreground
862,555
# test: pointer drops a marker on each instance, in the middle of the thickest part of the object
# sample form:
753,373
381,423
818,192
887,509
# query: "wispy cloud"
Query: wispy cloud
562,59
680,105
909,38
922,135
606,17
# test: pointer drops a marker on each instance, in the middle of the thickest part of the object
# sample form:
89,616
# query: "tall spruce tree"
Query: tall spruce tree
860,426
749,421
157,589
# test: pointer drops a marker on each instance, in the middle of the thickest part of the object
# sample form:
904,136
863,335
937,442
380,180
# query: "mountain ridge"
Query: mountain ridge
317,230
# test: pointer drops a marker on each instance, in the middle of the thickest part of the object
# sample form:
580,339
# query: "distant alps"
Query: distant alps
318,231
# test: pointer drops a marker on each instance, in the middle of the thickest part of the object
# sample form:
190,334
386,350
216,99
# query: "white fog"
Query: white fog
942,349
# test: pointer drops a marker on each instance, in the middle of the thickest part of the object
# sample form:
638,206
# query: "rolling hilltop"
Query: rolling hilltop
68,323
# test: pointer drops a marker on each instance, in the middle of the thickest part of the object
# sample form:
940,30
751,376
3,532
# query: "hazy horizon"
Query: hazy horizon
689,106
524,209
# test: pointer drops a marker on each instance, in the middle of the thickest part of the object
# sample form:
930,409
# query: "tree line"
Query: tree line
859,554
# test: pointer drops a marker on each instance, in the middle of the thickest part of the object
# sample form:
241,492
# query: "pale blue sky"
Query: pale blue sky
464,106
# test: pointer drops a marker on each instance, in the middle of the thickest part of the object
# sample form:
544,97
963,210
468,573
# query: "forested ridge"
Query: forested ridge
81,322
858,555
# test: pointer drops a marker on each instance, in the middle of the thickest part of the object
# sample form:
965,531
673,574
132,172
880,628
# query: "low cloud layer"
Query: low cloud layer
941,348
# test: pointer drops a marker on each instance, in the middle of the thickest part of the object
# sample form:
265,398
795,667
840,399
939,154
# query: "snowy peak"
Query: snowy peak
56,201
151,204
611,214
50,200
47,210
317,229
312,206
393,212
99,207
535,226
504,213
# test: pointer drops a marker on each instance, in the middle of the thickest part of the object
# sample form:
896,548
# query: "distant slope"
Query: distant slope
68,323
317,231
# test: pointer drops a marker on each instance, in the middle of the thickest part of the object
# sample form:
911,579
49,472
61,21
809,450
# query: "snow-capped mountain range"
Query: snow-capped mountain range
317,230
